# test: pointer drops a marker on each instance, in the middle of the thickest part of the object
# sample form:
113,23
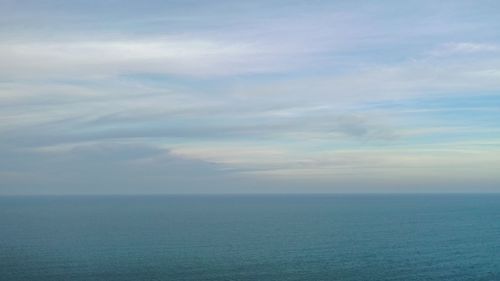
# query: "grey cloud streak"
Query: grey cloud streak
103,168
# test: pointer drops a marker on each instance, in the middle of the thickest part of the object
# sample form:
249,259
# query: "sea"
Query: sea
358,237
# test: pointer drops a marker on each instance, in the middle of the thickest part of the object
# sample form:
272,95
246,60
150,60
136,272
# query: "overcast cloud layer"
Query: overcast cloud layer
125,97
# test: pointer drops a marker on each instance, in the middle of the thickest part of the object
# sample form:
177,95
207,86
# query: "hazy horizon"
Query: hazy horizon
265,97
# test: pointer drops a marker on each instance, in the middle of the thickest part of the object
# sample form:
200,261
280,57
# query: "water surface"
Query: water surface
258,237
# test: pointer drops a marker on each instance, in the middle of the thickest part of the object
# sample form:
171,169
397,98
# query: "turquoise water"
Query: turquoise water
264,237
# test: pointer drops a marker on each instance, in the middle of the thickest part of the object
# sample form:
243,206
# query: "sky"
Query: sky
152,97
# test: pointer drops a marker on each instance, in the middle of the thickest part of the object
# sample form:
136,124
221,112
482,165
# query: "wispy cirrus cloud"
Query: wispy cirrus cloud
111,58
465,48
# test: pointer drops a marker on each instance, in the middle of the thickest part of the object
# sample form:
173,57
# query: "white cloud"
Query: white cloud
158,55
464,48
405,80
408,163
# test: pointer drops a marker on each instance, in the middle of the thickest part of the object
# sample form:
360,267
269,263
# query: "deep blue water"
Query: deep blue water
265,237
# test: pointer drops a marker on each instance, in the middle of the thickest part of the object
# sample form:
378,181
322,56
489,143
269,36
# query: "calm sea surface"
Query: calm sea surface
264,237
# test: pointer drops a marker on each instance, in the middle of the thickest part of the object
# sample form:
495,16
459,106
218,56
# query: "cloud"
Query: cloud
410,79
361,127
102,167
111,58
465,48
398,164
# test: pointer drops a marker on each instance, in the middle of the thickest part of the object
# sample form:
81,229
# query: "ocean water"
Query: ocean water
258,237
